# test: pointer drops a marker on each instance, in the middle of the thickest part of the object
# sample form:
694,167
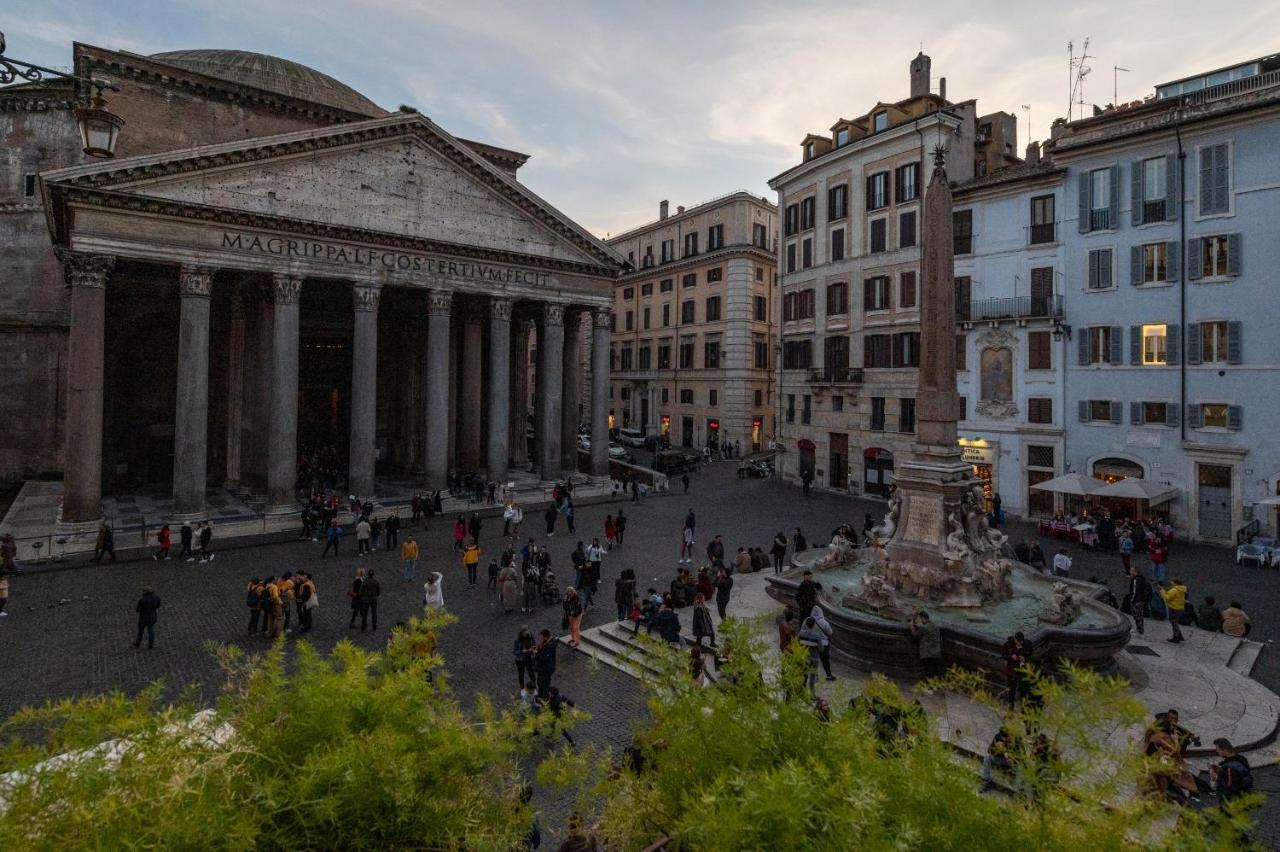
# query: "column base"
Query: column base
180,518
72,529
281,510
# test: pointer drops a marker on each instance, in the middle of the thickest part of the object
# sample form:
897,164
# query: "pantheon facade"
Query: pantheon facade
273,265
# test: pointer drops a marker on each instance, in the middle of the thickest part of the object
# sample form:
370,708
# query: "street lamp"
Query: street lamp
99,128
1059,329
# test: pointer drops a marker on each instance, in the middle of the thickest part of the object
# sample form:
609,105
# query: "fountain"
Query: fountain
936,550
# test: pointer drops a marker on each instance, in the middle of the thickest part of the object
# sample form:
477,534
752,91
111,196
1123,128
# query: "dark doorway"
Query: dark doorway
324,378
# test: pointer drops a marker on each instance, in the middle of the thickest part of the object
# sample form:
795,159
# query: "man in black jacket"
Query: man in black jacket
369,592
544,663
807,593
147,606
1138,597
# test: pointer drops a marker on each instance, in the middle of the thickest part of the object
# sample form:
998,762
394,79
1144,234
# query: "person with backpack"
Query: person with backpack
206,536
271,604
253,598
369,592
286,586
185,536
165,540
470,559
1232,777
332,536
146,609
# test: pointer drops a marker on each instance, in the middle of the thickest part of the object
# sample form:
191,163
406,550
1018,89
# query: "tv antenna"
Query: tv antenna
1115,84
1077,70
1027,108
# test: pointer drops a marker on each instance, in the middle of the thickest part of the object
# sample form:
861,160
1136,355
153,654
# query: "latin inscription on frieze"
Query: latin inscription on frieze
924,521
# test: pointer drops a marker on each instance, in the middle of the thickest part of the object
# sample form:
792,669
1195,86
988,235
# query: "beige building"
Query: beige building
692,346
850,282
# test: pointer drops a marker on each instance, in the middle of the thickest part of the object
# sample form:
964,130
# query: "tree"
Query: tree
752,763
356,750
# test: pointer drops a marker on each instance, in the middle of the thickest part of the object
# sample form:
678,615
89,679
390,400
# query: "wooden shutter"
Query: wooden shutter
1135,413
1113,218
1082,188
1195,264
1221,180
1235,417
1171,167
897,184
1135,191
1172,343
1106,268
1235,342
898,360
1117,412
1082,347
1135,345
1194,335
1172,266
1233,254
1135,264
1083,410
1195,416
866,295
1094,274
1172,415
870,202
1205,189
1117,344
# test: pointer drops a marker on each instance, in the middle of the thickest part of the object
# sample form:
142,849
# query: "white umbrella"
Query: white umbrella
1071,483
1133,488
1269,501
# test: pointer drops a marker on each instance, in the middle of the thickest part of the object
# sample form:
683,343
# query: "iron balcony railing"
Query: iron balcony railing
1012,307
836,376
1234,87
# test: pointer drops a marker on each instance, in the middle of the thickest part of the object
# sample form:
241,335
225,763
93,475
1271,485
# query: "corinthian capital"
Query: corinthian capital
500,309
285,288
552,314
82,269
602,317
195,281
439,302
366,297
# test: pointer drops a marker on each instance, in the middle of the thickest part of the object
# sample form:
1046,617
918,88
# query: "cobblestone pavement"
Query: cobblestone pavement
50,651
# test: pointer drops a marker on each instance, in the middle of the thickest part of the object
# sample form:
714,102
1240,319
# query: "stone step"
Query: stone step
599,652
1245,657
611,646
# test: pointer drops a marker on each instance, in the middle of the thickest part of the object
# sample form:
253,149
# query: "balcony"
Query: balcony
1011,308
1041,234
840,376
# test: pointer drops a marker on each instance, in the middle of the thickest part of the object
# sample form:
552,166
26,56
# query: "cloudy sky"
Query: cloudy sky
621,104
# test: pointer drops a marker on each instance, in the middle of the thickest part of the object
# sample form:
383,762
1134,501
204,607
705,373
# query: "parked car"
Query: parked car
584,443
617,451
631,437
674,462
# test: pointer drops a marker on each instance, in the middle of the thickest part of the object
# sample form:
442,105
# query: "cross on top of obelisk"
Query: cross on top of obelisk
939,156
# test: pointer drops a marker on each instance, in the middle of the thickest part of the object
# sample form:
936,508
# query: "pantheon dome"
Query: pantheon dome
273,74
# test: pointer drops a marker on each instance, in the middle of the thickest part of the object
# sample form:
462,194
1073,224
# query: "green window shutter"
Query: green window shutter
1235,417
1082,186
1113,218
1194,334
1172,266
1082,347
1083,409
1170,187
1235,342
1195,416
1172,343
1233,254
1117,344
1135,413
1135,345
1135,265
1135,191
1195,246
1117,412
1172,416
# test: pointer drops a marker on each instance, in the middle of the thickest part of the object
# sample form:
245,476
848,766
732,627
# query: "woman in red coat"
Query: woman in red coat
165,540
610,531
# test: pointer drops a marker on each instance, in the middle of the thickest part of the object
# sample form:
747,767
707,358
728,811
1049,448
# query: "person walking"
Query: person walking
572,614
392,530
509,586
331,538
146,609
549,516
363,532
185,536
355,595
824,639
544,663
532,579
609,531
470,559
568,515
433,592
624,593
1138,597
165,540
459,534
779,551
724,587
620,526
1126,549
105,544
1175,600
409,556
684,480
369,592
524,649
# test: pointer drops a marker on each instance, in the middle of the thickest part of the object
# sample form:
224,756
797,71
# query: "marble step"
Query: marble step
614,645
1245,657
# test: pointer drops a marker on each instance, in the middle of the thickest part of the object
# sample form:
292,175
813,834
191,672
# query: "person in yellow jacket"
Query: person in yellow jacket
271,603
1175,598
286,585
470,559
409,555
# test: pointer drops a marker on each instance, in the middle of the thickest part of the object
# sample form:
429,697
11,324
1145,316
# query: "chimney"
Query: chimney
662,209
1055,129
920,75
679,209
942,88
1033,153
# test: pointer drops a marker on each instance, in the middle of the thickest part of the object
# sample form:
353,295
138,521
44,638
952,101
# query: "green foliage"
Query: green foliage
748,764
358,750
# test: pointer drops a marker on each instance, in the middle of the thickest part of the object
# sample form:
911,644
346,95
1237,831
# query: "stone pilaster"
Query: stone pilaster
601,320
499,388
470,391
191,398
86,275
364,388
550,389
436,420
571,376
282,448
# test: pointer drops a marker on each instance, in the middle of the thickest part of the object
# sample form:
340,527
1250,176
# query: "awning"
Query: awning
1133,488
1269,501
1071,483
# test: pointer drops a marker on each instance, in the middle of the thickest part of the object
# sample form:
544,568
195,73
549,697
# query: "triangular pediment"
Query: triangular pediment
400,176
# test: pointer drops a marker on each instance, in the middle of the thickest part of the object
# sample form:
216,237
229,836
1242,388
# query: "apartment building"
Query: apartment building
691,357
1169,255
849,259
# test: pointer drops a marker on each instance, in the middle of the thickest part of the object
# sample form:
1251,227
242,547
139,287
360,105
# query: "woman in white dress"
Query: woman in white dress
433,592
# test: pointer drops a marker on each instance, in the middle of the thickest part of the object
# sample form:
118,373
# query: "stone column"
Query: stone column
550,389
519,425
571,376
235,388
499,388
282,449
601,319
191,400
436,421
86,275
364,389
471,392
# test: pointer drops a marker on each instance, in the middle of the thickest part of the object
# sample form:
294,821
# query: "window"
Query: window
1042,291
713,308
907,182
875,294
880,121
668,251
806,413
906,349
877,190
798,305
648,257
808,208
689,279
665,396
626,358
686,396
907,289
631,259
759,397
1100,277
715,275
797,354
613,363
691,244
1039,353
666,315
810,150
962,353
1152,412
875,350
878,232
837,403
1215,180
712,397
1155,258
664,354
806,252
979,166
761,348
628,293
1154,189
962,231
835,357
1216,260
1039,410
1214,415
646,356
877,414
907,229
631,322
646,289
686,353
1100,344
29,186
1042,220
791,257
647,312
715,237
762,309
1100,200
759,273
760,236
837,299
686,312
1100,410
906,415
665,285
964,290
791,408
790,220
1154,347
837,202
842,137
837,244
1213,342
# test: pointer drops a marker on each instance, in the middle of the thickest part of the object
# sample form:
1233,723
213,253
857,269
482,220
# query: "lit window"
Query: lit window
1215,415
1153,345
